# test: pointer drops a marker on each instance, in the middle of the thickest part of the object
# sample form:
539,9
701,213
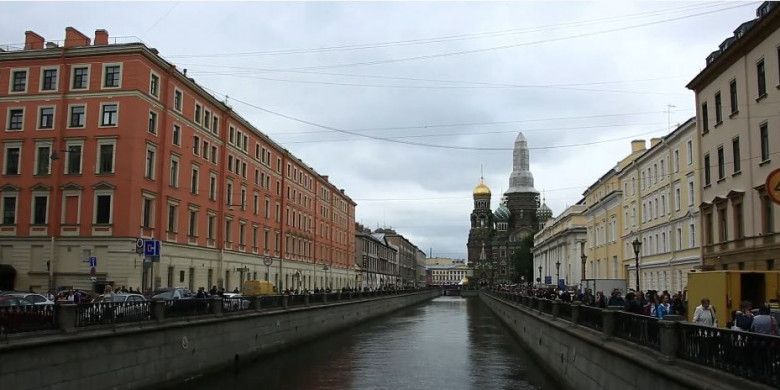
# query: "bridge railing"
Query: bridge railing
753,356
18,319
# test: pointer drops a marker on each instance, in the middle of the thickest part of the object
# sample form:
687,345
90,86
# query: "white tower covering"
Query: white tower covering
521,179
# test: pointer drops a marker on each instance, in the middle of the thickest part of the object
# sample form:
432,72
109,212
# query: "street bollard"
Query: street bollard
667,337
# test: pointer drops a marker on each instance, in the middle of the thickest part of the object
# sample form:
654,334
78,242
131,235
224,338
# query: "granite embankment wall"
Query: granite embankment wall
151,354
583,359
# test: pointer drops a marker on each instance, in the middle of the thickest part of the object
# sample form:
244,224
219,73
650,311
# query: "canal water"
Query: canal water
446,343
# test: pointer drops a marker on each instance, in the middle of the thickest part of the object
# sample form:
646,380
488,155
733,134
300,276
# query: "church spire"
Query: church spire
521,179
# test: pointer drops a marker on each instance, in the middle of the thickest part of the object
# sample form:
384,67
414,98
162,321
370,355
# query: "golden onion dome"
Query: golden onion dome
481,189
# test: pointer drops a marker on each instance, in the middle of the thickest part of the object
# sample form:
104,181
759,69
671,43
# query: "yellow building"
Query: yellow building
660,208
604,221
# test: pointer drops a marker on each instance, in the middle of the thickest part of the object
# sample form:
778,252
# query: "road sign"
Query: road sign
93,261
773,185
139,245
151,248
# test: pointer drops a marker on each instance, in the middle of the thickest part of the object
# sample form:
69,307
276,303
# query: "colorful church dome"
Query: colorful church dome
481,189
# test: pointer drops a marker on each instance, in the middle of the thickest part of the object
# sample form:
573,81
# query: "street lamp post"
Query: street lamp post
540,274
637,247
558,274
584,259
267,260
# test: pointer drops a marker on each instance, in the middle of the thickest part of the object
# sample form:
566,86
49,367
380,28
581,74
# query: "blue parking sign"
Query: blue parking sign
151,248
93,261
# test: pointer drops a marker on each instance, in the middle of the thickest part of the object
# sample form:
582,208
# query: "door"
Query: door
752,286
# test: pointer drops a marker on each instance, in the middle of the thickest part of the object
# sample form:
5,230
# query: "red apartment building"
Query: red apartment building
105,143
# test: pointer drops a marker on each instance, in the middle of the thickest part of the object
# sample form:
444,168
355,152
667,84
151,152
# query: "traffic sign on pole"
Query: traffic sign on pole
151,248
773,185
93,261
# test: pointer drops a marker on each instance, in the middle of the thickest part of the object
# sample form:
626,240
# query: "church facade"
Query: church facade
496,235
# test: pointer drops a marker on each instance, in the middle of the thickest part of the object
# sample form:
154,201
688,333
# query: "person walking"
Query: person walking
705,314
663,308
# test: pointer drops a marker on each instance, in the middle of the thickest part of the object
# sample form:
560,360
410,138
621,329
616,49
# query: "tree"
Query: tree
523,259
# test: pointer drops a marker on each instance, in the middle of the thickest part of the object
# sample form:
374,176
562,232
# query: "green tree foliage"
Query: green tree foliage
523,259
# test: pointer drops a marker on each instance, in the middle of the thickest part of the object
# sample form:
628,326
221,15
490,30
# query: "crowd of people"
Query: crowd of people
658,304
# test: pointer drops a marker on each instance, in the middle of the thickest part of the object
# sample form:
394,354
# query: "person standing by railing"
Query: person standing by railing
705,314
764,323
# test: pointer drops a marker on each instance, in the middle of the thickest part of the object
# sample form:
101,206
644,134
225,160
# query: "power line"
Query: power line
448,38
412,143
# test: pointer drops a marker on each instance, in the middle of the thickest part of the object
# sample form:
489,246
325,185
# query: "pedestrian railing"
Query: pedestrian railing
188,307
235,304
17,319
112,312
749,355
637,328
590,317
564,310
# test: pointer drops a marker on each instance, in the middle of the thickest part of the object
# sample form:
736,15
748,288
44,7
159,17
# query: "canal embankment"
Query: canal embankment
585,358
154,354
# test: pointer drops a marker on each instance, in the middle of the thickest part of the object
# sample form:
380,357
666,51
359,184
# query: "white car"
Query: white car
36,299
233,301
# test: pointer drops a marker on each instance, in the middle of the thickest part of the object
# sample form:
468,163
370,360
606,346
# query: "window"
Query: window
12,160
213,186
767,214
177,100
690,192
194,181
228,229
73,160
152,122
241,228
206,118
721,164
676,160
739,231
15,119
677,198
243,198
212,223
205,150
146,212
761,79
154,85
718,109
174,179
105,158
77,116
103,209
49,79
705,123
663,205
256,203
46,118
149,171
735,154
232,135
176,136
18,81
195,145
109,114
80,77
112,76
689,146
229,193
215,125
214,154
198,113
42,159
172,208
707,169
733,97
723,228
192,231
679,239
40,209
764,137
9,210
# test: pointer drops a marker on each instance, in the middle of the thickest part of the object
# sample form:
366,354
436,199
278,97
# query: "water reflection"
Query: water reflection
447,343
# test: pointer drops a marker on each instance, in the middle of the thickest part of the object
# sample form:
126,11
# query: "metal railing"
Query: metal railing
637,328
564,311
188,307
235,304
112,312
546,306
590,317
749,355
17,319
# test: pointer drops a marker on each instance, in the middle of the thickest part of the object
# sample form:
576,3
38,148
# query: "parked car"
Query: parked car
108,308
232,303
36,299
10,300
173,293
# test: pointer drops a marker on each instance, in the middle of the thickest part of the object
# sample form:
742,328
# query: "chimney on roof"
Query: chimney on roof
325,177
101,37
51,45
637,145
74,38
33,41
654,141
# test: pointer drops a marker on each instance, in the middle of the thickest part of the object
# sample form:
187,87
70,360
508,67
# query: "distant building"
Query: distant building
660,208
432,261
447,275
377,261
407,255
560,242
494,237
739,145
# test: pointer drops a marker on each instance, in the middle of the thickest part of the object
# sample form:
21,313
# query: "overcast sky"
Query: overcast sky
468,75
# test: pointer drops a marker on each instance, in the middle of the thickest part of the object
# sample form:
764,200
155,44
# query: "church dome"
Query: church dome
502,213
481,189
